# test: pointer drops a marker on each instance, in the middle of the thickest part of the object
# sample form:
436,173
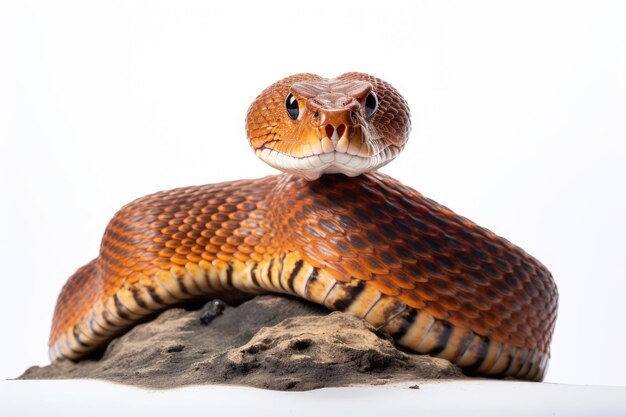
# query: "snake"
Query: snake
330,229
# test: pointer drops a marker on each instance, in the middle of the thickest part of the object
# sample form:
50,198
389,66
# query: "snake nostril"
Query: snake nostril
341,129
329,131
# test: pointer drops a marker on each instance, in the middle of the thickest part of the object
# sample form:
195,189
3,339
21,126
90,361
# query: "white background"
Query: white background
519,123
471,398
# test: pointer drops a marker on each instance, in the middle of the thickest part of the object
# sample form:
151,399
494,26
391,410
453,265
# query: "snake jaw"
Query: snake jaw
334,162
330,149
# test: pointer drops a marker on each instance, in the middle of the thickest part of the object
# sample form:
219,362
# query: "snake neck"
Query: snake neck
315,217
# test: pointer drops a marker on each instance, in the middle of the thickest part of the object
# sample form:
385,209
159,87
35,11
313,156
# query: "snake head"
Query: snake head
308,125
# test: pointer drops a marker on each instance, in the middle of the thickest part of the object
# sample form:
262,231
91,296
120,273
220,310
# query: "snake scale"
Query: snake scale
329,229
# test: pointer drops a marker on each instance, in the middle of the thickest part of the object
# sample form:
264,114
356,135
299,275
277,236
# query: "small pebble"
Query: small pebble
211,311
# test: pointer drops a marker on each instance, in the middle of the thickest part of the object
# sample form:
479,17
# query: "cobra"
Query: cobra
329,229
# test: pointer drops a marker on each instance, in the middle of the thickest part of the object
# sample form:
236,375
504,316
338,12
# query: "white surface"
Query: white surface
519,124
467,399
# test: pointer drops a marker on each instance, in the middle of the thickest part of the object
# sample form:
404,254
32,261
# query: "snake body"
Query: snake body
330,230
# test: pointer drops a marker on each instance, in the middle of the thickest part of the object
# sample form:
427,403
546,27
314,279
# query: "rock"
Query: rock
270,341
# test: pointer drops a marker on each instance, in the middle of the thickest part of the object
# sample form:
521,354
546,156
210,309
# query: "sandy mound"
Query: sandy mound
268,342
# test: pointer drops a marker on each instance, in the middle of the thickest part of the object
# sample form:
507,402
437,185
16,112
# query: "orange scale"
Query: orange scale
218,240
251,240
240,256
532,321
412,300
160,239
223,233
246,249
402,280
355,269
300,239
218,217
226,257
249,224
166,253
128,262
257,214
390,260
150,270
216,201
518,316
256,257
241,232
172,244
195,233
524,331
385,285
437,311
479,328
181,215
183,250
311,257
246,206
426,293
234,240
508,326
164,217
197,249
138,267
147,256
340,245
179,260
190,220
338,273
442,287
211,249
520,341
213,225
171,210
193,257
228,248
464,297
134,277
480,303
500,336
526,337
491,320
374,265
449,303
169,230
459,320
326,252
468,310
226,208
207,234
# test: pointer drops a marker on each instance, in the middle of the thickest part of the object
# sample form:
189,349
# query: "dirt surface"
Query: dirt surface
269,342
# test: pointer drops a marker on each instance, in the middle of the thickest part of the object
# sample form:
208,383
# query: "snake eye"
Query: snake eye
371,104
291,103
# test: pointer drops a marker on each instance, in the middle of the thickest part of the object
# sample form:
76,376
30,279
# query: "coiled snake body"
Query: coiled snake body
330,230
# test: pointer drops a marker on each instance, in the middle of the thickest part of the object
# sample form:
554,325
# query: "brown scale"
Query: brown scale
368,245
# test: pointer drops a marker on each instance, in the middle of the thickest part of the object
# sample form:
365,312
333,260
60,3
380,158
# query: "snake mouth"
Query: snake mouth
332,162
342,147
